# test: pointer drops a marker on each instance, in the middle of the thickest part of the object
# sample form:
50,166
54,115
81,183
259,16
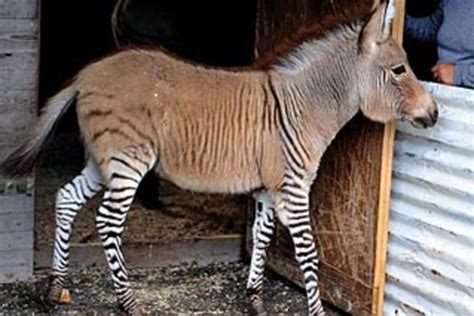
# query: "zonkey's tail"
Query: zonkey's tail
22,160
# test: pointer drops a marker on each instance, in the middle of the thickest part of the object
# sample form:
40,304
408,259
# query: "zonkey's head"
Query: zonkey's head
387,85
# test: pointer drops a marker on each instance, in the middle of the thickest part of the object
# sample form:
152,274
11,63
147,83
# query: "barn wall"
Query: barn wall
18,92
430,267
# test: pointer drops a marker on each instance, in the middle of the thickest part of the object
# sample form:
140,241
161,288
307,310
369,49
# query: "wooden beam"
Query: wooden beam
386,186
18,9
201,250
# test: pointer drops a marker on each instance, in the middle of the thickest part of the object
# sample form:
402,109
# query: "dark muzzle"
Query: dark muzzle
427,120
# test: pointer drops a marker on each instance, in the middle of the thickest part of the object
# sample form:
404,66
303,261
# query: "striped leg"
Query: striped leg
297,220
262,232
127,173
69,201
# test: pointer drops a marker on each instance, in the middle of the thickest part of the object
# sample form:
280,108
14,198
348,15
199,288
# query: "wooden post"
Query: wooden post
386,186
19,44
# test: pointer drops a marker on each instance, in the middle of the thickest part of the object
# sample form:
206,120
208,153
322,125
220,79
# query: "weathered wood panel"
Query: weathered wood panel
18,60
18,9
16,203
344,198
18,34
16,272
16,264
17,110
11,222
18,92
18,70
16,102
18,78
14,258
152,255
16,240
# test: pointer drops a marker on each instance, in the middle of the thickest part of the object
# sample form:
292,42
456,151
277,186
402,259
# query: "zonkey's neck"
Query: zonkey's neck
319,94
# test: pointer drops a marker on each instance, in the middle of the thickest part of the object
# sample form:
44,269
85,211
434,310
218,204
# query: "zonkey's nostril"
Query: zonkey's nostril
435,115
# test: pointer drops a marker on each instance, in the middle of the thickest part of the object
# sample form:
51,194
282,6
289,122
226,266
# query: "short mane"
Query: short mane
341,21
313,50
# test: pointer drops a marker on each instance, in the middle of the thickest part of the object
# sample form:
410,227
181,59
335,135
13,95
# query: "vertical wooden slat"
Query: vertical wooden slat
19,44
386,186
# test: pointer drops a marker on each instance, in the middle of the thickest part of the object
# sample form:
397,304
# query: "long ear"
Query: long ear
387,20
377,30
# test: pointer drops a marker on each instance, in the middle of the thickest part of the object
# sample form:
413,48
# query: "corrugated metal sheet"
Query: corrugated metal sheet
430,269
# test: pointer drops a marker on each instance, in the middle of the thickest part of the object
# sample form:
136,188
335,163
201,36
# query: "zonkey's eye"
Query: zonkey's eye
398,70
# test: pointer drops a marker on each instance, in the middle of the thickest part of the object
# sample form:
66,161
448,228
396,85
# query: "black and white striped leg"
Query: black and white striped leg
298,222
118,196
262,232
69,200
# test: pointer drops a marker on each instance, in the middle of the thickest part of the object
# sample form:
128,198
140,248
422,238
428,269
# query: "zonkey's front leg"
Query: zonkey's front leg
293,211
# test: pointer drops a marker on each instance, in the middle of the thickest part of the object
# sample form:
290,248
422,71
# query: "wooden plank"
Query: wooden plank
18,9
16,240
18,70
17,111
12,258
17,102
151,255
18,79
385,187
11,222
332,281
16,203
15,273
18,35
18,85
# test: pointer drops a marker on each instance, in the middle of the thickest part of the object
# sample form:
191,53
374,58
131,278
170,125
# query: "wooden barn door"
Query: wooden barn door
345,197
18,92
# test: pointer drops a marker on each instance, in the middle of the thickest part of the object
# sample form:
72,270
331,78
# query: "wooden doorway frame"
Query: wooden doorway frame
386,185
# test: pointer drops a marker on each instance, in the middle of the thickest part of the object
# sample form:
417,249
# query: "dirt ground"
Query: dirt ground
189,289
184,214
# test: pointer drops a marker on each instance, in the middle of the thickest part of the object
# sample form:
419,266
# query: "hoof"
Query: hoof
58,295
133,309
139,312
257,307
136,312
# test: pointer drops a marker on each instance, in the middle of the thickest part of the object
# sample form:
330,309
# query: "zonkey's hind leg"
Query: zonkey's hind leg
262,232
126,170
69,200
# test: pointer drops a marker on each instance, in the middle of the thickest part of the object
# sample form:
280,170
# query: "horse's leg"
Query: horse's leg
296,217
262,233
70,199
125,172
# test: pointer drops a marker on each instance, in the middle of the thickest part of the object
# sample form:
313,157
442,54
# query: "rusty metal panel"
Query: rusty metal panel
430,268
344,198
